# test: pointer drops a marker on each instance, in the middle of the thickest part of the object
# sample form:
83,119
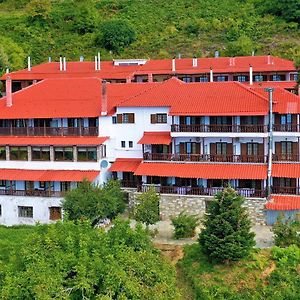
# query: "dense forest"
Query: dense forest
153,28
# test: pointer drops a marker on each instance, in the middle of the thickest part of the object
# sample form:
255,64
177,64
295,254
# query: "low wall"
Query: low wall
173,205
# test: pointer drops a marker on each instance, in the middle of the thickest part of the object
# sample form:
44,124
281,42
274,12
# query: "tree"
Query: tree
226,235
89,201
75,261
184,225
242,46
38,10
147,208
116,35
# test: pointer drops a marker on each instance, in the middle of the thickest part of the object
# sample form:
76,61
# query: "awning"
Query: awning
47,175
125,165
281,202
291,170
206,171
53,140
156,138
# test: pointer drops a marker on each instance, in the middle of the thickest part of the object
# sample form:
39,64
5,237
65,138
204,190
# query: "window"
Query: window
130,144
3,183
123,144
2,153
286,148
63,153
221,148
40,153
65,186
55,213
221,78
158,118
42,185
241,78
125,118
25,211
286,119
252,148
114,120
18,153
87,154
201,79
276,77
258,78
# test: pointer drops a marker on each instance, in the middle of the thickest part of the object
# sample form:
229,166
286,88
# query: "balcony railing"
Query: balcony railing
286,127
48,131
201,191
286,190
33,193
286,157
128,184
218,128
206,157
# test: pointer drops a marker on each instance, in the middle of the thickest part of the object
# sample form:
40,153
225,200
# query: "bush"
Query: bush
116,35
226,236
287,232
184,225
147,208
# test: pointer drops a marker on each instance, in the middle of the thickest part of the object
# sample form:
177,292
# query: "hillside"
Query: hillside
157,29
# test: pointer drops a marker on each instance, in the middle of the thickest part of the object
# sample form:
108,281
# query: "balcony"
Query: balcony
206,158
286,190
48,131
219,128
128,184
286,157
201,191
32,193
286,127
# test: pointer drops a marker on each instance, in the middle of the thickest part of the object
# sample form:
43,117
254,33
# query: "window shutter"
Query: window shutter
119,118
130,118
182,148
153,118
213,149
295,150
244,149
261,149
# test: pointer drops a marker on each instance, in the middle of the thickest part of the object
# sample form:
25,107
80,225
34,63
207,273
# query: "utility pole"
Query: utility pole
270,135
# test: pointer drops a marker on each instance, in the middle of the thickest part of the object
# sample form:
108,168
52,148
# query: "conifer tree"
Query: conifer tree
226,236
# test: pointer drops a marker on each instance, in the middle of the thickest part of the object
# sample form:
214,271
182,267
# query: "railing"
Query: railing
33,193
206,157
49,131
218,128
128,184
286,190
286,127
201,191
286,157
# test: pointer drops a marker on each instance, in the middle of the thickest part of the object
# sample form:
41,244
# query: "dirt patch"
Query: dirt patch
267,272
173,252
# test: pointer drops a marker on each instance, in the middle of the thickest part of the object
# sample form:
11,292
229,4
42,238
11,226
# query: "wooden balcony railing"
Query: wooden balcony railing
286,190
206,158
33,193
48,131
286,157
218,128
129,184
286,127
202,191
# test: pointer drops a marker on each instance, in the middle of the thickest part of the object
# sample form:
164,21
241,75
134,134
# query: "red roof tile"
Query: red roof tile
213,98
55,98
288,85
47,175
290,170
207,171
125,165
284,202
156,138
49,140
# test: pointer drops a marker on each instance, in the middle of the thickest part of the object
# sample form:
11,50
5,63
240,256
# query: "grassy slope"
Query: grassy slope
163,28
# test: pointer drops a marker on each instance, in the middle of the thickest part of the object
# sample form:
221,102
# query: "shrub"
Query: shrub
287,232
226,236
116,35
184,225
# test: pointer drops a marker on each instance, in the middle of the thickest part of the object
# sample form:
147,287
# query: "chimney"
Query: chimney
104,98
8,91
7,70
269,59
29,63
60,63
195,62
253,53
96,63
250,75
49,59
211,75
99,64
217,54
81,58
173,65
65,64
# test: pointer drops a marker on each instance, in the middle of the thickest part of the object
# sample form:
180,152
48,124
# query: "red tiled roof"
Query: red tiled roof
49,140
291,170
212,98
156,138
159,66
207,171
125,165
289,85
283,202
47,175
55,98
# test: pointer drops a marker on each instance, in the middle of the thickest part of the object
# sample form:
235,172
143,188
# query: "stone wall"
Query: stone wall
172,205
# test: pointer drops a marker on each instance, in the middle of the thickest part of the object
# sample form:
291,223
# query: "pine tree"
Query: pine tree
226,236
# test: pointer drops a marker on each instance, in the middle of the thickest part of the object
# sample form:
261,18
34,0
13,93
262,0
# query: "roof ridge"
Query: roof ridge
250,89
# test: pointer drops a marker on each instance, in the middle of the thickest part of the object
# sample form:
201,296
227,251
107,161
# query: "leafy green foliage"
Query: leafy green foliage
147,208
92,202
226,236
38,10
184,225
116,35
68,261
287,232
